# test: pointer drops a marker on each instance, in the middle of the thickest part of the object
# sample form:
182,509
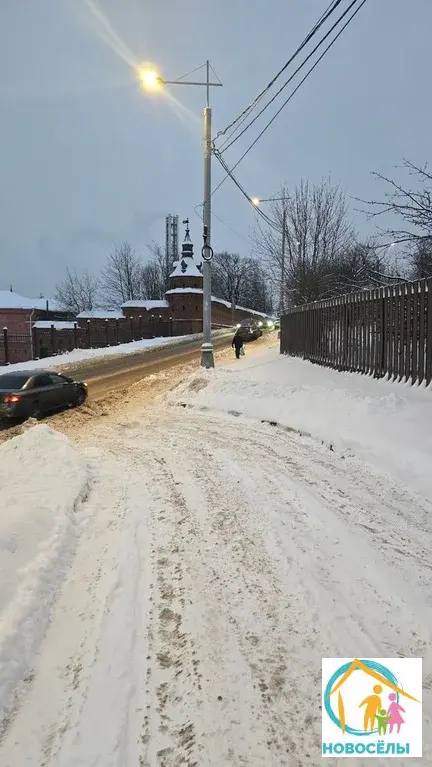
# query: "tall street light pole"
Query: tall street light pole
151,81
256,201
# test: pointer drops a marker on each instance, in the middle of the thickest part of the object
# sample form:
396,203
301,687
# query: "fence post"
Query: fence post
152,320
415,333
428,325
53,340
6,345
170,326
88,333
140,326
107,330
382,354
34,342
131,329
421,331
408,333
117,332
75,335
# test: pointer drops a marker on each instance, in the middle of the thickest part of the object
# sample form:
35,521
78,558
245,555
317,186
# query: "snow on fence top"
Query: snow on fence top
101,314
58,325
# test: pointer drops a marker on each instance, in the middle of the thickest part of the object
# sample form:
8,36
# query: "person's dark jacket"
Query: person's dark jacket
237,341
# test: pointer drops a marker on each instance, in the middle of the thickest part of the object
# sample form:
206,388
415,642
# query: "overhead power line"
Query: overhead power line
325,16
237,183
267,126
228,143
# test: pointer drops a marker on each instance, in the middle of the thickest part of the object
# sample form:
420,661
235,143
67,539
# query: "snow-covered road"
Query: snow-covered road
221,561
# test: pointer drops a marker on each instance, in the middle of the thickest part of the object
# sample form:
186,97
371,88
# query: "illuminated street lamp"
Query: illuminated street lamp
151,81
256,201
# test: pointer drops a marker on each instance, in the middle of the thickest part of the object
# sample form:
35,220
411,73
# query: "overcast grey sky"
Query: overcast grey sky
87,160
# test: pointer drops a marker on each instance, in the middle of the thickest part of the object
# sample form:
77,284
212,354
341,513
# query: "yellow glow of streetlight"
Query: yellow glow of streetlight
255,201
150,80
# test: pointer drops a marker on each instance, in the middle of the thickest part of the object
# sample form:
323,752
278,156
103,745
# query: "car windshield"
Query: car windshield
13,381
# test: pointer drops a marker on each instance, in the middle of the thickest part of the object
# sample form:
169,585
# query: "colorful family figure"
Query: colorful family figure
373,705
382,720
393,712
374,710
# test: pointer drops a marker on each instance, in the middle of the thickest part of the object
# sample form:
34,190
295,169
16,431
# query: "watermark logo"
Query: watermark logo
371,707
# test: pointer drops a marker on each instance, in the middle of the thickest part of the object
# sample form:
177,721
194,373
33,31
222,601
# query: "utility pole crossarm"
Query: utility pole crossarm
189,82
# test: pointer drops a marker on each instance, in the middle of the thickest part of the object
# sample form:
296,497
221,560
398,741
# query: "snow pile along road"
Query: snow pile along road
383,423
83,355
43,479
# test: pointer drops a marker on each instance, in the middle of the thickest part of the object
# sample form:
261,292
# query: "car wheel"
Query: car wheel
36,413
81,397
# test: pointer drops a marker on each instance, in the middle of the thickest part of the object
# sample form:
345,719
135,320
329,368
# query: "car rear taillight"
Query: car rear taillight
11,399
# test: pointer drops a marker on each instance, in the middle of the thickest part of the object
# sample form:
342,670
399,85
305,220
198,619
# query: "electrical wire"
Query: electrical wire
236,124
228,226
326,15
230,174
227,144
266,127
192,72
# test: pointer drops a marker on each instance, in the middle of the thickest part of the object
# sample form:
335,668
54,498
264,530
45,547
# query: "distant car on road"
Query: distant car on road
250,331
32,393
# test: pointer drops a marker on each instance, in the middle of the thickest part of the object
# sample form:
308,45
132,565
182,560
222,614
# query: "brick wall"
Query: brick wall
188,306
137,312
15,320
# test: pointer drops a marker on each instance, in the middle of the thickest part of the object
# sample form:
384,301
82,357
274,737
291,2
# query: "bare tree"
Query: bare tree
412,206
229,275
151,284
420,259
317,233
241,281
159,258
121,276
78,292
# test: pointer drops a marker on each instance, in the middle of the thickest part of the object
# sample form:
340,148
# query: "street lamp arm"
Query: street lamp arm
188,82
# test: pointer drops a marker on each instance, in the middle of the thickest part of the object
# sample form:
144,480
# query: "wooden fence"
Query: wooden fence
382,332
47,342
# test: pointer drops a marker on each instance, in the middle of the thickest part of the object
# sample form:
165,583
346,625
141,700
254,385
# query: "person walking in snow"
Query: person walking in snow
238,344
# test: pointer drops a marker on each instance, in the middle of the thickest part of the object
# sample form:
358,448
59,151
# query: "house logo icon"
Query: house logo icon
371,707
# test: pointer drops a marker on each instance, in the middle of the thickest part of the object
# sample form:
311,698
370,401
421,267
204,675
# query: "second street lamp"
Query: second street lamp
256,201
153,82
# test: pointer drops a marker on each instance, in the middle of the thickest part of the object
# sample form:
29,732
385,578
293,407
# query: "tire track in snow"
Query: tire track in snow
226,559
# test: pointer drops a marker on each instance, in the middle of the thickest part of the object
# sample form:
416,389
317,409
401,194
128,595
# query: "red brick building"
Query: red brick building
17,316
183,304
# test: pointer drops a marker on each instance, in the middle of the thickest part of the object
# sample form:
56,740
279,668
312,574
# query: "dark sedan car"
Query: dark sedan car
250,331
32,393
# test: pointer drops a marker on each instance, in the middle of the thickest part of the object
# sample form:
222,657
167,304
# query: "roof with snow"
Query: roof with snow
58,325
10,300
214,300
149,305
101,314
186,266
